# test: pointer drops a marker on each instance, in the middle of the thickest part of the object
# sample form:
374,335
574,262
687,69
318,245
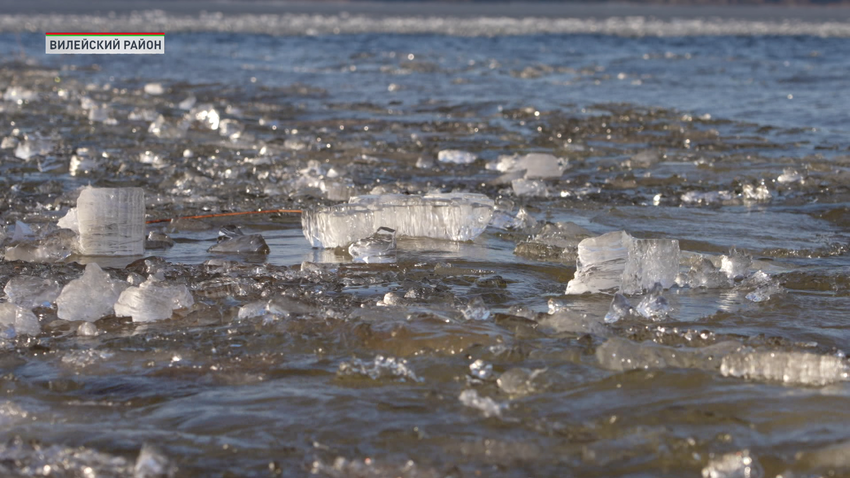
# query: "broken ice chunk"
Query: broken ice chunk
455,156
790,176
158,240
153,463
154,89
231,240
765,287
153,300
618,261
90,297
797,368
481,369
87,329
519,381
23,232
488,406
620,309
535,165
621,355
476,310
736,264
733,465
704,274
529,187
29,292
70,221
188,103
381,368
451,216
654,306
22,320
33,145
379,247
757,193
555,242
111,221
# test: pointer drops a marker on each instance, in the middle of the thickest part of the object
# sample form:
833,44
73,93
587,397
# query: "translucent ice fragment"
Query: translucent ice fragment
111,221
757,193
481,370
29,291
476,310
70,221
22,320
233,241
529,187
620,355
733,465
705,275
380,368
23,232
153,300
451,216
154,89
620,309
90,297
736,264
19,94
487,406
618,261
455,156
518,381
797,368
158,240
535,165
87,329
654,306
188,103
153,463
790,176
379,247
33,145
765,287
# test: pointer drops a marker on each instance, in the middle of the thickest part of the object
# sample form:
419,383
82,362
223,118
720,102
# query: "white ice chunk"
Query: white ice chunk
798,368
618,261
388,368
488,406
33,146
620,309
22,320
153,300
736,264
154,89
535,165
733,465
111,221
29,291
91,297
790,176
519,381
188,103
379,247
451,216
455,156
654,306
757,193
70,221
529,187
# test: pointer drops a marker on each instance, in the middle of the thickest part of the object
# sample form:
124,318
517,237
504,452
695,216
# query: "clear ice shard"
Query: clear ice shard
796,368
518,381
555,242
231,240
29,291
621,355
379,247
153,300
618,261
487,406
455,156
529,187
535,165
736,264
654,306
91,297
380,368
111,221
22,320
152,463
620,309
733,465
703,274
449,216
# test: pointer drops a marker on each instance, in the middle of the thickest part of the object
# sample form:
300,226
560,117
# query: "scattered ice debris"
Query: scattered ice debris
476,309
154,89
379,247
736,265
765,287
86,358
158,240
703,274
758,193
620,309
22,321
620,355
232,240
455,156
153,463
487,406
618,261
795,368
790,176
519,381
481,370
530,187
380,368
111,221
87,329
533,165
564,319
153,300
733,465
49,245
91,297
706,198
29,291
450,216
654,306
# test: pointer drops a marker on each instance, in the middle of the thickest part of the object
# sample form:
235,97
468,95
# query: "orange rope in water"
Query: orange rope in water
224,214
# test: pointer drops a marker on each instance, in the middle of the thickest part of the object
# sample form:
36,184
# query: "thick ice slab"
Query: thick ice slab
452,216
90,297
111,221
796,368
618,261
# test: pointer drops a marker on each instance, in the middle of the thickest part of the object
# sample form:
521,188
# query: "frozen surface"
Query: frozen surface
617,261
793,368
451,216
153,300
90,297
111,221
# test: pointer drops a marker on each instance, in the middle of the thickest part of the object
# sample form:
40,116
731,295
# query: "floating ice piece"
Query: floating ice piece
796,368
379,247
19,94
33,145
765,287
620,309
154,89
481,370
733,465
535,165
488,406
111,221
153,300
757,193
521,221
529,187
158,240
558,242
82,163
230,128
380,368
455,156
91,297
451,216
736,264
654,306
712,197
621,355
790,176
704,275
518,381
99,114
645,159
188,103
153,463
619,261
87,329
476,310
233,241
22,320
29,292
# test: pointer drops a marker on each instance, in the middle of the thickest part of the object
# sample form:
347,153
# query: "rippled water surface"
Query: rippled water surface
455,358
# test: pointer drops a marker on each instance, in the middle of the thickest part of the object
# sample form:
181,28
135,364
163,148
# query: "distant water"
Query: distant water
719,127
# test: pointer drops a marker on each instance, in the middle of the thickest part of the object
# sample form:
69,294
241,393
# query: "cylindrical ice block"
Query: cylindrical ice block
112,221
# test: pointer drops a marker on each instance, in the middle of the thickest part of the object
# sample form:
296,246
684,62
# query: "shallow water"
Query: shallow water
370,369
